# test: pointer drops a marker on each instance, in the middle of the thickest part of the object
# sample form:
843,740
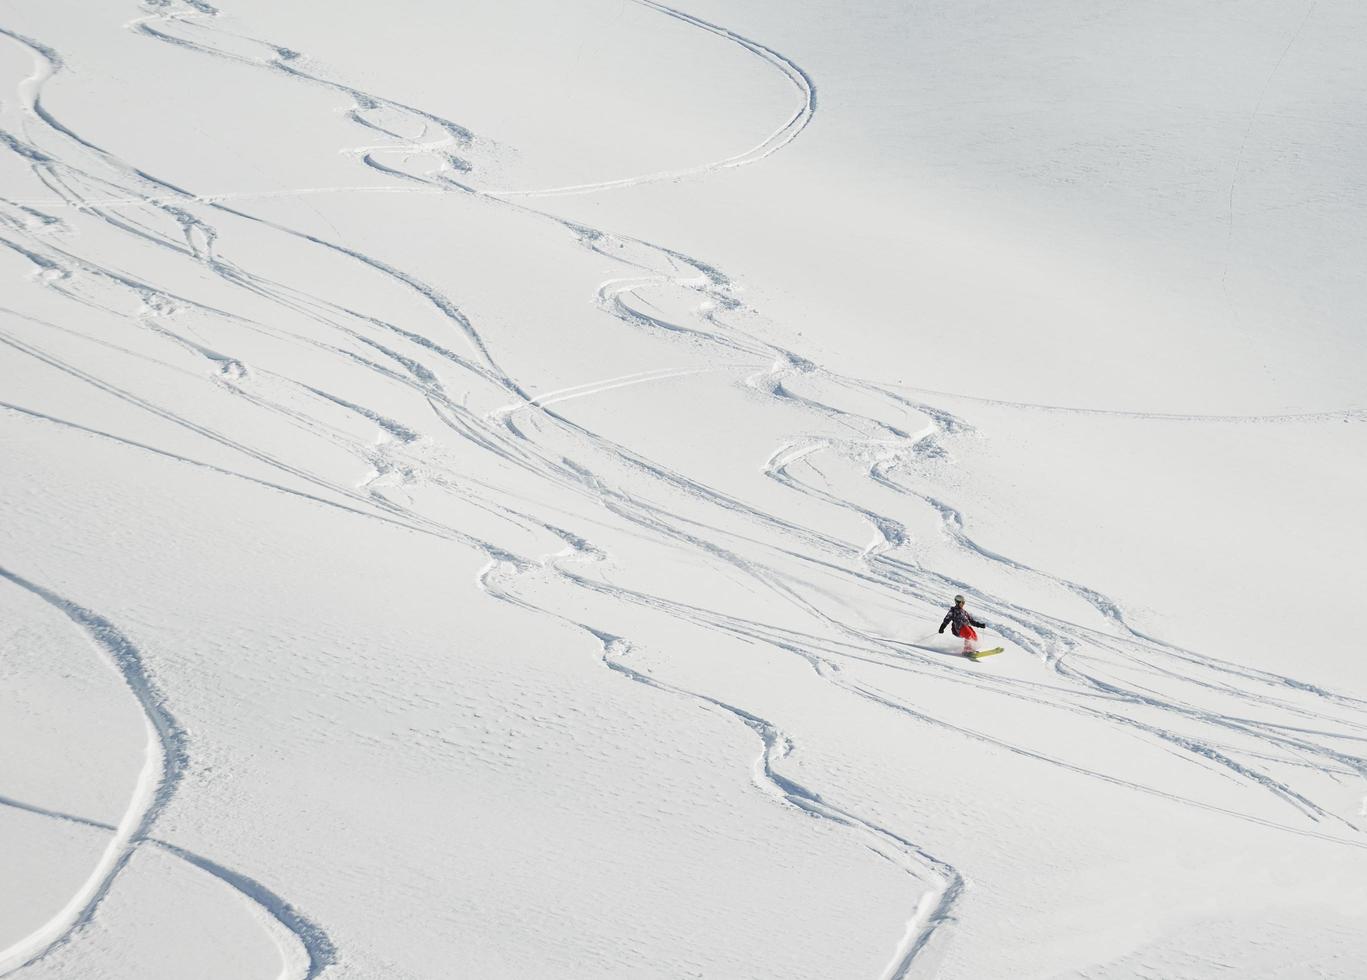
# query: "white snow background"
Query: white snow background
479,484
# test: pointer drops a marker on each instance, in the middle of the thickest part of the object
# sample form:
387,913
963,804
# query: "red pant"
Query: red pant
969,635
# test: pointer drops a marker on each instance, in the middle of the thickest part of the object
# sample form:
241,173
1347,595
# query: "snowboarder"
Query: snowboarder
961,625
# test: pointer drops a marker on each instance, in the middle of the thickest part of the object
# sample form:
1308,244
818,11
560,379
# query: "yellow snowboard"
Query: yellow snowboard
984,653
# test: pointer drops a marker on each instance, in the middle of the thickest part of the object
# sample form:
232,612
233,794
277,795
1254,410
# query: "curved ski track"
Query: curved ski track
876,434
775,141
165,759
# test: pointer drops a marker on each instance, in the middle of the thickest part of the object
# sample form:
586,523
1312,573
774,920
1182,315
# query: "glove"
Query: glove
940,630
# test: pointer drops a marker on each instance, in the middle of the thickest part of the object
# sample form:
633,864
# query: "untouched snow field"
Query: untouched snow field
480,483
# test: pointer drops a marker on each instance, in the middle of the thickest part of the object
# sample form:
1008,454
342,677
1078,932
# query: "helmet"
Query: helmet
958,599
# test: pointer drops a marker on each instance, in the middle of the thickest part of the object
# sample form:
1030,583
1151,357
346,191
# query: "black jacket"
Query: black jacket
959,616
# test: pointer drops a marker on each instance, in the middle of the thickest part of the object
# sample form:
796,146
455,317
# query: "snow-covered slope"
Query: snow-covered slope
480,486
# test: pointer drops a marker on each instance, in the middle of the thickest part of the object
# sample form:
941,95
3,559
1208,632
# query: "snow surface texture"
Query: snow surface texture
480,484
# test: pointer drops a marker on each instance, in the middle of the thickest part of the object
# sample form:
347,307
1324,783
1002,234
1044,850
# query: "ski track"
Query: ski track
164,759
931,913
166,756
775,141
1275,723
316,944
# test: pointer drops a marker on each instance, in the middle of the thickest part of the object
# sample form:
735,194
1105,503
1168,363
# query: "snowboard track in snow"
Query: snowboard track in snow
316,943
881,436
165,758
167,755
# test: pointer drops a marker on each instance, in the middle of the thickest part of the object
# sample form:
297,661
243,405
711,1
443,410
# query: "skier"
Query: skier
961,624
